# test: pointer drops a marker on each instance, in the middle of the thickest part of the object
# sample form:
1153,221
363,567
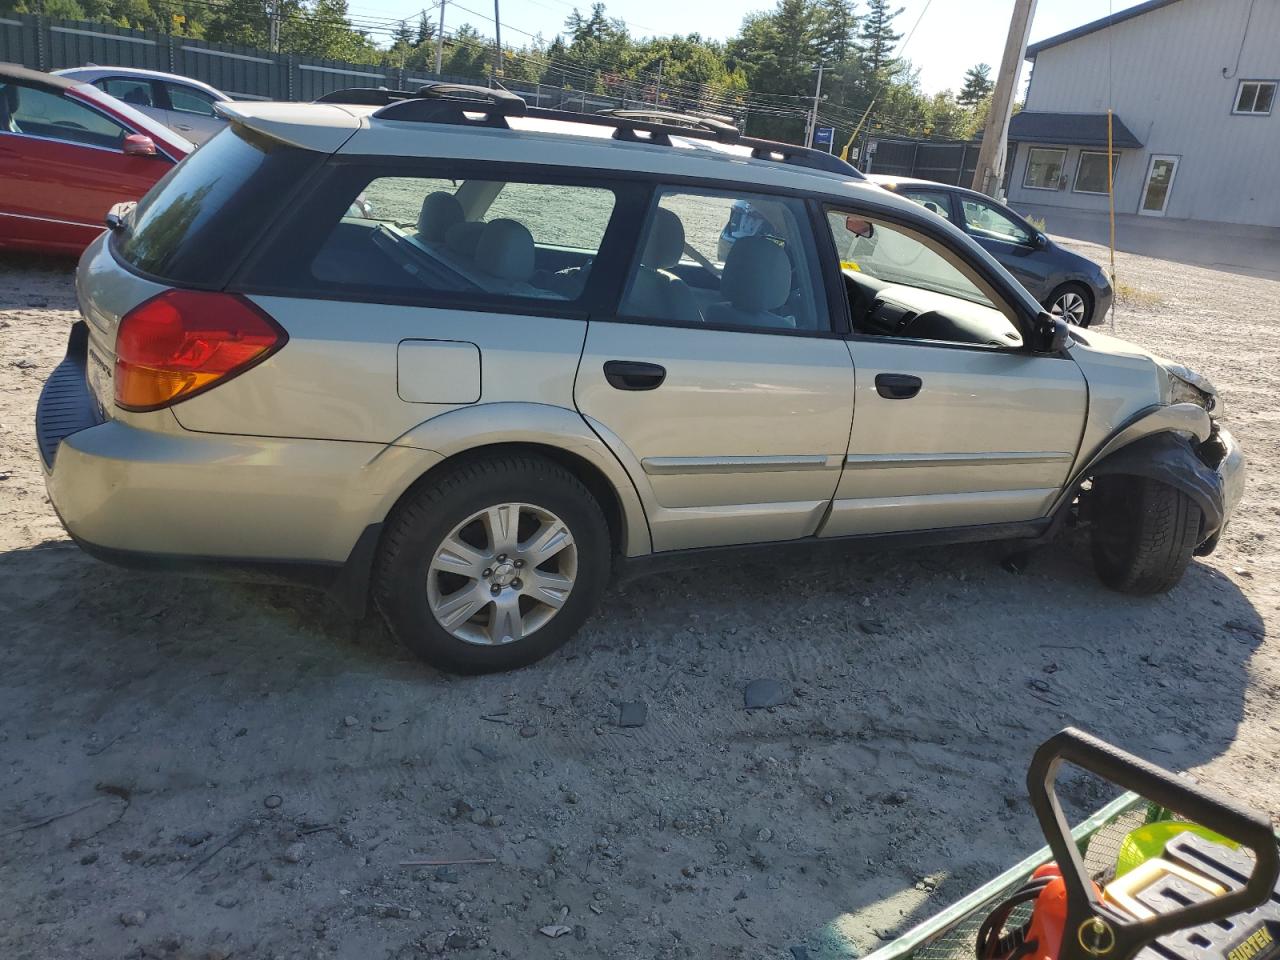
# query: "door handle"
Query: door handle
898,386
634,374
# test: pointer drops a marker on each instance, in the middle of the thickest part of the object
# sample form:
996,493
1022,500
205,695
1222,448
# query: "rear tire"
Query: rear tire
1072,302
1143,533
511,608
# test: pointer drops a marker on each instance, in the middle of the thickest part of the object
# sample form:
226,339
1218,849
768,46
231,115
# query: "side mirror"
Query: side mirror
139,145
1054,333
1040,241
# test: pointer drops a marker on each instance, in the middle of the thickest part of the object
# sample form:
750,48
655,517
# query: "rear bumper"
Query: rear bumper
176,500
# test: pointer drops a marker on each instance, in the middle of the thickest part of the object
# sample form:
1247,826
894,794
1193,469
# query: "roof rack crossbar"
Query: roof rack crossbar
725,132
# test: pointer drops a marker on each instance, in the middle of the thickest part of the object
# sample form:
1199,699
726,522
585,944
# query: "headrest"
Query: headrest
462,238
666,241
757,275
506,250
440,211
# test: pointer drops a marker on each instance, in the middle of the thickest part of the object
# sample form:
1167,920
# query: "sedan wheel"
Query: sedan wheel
1071,307
502,574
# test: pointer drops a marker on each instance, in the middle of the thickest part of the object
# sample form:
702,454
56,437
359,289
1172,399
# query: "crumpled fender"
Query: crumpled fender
1171,459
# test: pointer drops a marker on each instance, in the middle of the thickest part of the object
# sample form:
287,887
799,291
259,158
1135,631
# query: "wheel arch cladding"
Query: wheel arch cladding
1171,459
591,476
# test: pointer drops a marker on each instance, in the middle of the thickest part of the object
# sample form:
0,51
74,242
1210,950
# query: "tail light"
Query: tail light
184,342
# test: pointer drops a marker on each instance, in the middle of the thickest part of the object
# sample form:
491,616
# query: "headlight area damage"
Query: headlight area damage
1182,385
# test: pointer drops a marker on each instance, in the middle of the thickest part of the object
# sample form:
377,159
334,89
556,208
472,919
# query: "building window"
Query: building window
1091,174
1255,97
1044,168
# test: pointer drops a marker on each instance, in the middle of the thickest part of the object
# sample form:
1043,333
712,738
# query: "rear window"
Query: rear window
451,234
196,224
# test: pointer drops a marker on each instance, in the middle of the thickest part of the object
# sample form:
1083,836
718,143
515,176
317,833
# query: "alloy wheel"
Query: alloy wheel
502,574
1070,307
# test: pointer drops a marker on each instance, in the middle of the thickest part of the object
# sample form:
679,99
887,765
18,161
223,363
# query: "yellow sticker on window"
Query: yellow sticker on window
850,265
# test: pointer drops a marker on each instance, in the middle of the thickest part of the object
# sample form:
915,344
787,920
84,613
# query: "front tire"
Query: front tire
1071,302
493,565
1143,533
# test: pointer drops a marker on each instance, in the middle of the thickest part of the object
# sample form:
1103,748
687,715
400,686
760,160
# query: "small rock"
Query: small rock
554,930
740,895
872,628
25,364
273,801
446,875
294,853
570,797
895,798
478,817
1240,571
218,953
350,721
600,895
528,732
227,901
633,714
89,858
193,838
133,918
596,909
457,941
759,694
579,932
1037,684
496,820
764,835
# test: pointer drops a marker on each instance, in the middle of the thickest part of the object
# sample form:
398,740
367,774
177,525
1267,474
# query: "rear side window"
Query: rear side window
39,113
194,226
189,100
466,239
134,92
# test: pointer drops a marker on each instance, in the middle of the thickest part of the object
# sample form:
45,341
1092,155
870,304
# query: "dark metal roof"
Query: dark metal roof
1073,129
1097,25
13,71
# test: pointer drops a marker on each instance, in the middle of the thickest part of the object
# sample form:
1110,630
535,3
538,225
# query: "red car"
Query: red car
68,152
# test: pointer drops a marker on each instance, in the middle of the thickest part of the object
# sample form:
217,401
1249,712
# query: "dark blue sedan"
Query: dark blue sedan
1070,286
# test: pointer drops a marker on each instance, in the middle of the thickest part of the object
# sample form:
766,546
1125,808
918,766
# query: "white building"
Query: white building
1196,114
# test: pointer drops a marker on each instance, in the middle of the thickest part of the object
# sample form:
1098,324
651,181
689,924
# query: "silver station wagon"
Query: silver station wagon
468,359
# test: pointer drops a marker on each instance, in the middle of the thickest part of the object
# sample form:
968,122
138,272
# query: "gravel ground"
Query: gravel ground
205,769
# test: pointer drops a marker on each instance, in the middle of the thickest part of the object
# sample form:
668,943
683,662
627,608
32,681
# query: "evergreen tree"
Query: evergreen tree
403,36
426,31
977,85
879,39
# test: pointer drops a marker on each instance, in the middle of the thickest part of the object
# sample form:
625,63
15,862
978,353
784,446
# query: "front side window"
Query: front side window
902,283
737,260
38,113
188,100
986,221
134,92
439,238
935,201
1255,97
1091,175
1044,168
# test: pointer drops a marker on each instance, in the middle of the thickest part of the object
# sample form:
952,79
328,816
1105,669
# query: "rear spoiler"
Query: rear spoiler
311,126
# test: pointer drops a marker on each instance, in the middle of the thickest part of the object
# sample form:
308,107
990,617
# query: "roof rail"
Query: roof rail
455,103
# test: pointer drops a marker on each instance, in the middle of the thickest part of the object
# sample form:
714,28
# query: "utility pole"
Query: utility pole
440,41
657,88
273,26
497,43
991,157
812,126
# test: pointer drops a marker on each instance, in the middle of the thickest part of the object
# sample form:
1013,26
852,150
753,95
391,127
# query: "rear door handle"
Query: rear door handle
634,374
898,386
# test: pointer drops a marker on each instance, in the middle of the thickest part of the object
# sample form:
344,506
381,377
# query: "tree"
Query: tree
977,85
426,31
879,39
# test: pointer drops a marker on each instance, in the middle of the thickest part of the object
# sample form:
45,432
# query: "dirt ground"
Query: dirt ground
205,769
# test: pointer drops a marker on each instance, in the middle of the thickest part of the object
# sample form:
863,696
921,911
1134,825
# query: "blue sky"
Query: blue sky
952,36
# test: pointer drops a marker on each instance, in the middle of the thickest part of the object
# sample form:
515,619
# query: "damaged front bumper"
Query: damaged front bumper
1221,454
